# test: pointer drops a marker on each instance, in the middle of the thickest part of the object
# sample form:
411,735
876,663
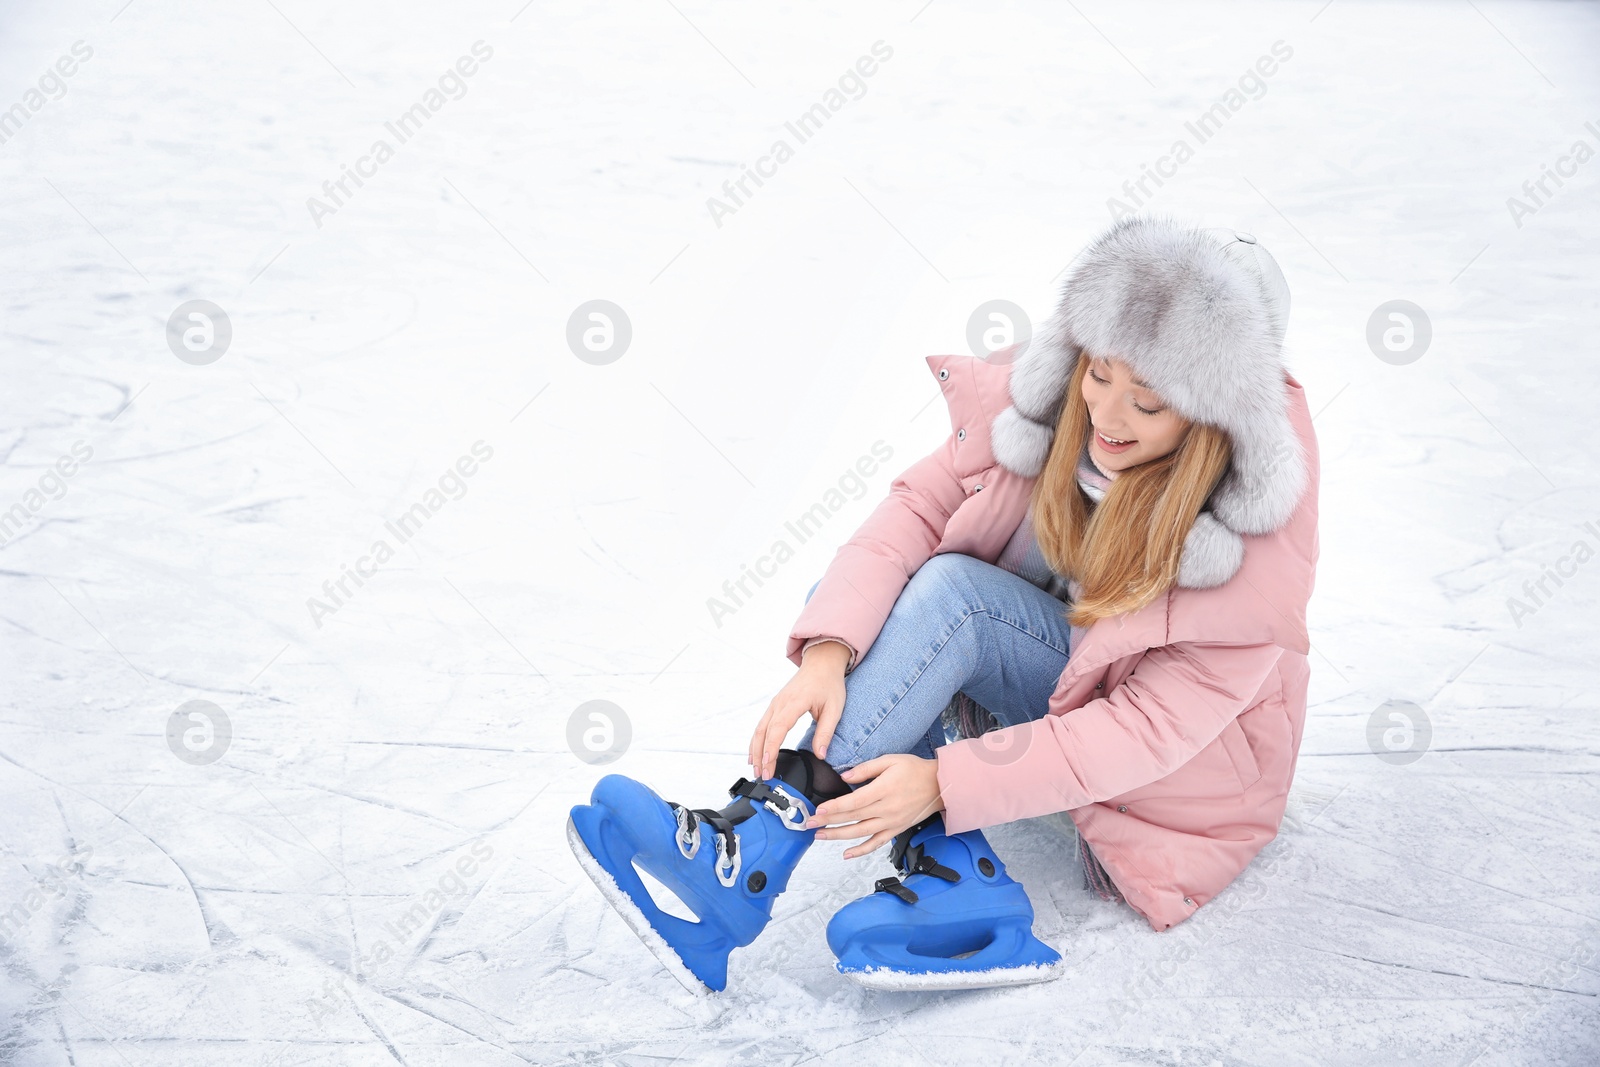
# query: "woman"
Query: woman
1147,459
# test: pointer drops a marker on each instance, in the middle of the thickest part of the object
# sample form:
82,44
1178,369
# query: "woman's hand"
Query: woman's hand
902,791
817,689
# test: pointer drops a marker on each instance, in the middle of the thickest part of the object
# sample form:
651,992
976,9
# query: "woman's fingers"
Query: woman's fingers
755,738
826,721
777,729
877,841
759,738
767,755
851,831
758,749
867,770
848,808
761,750
777,726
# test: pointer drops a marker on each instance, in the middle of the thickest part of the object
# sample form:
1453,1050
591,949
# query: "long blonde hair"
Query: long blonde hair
1124,552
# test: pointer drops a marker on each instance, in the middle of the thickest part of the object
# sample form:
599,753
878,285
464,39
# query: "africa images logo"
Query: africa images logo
453,481
410,122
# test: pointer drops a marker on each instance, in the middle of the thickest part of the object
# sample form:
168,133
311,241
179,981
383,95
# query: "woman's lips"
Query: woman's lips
1112,446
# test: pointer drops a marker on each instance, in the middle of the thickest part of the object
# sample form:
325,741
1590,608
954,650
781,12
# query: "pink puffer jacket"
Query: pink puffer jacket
1172,735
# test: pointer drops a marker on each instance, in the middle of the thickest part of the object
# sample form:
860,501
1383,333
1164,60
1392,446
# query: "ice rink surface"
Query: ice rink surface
355,855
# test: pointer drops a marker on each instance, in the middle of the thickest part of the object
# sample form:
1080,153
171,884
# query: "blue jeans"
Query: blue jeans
959,625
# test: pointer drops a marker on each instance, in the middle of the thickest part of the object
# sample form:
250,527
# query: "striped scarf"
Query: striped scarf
1095,481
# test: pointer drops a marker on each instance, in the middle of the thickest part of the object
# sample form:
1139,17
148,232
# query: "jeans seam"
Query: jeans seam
921,670
1024,630
944,641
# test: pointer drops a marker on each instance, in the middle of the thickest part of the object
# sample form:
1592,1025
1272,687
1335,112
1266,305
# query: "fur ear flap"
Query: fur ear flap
1040,374
1020,444
1212,554
1266,477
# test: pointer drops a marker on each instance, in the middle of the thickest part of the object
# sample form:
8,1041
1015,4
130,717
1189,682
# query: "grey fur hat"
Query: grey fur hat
1200,314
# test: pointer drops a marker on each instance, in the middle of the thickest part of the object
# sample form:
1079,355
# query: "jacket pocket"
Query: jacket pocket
1222,770
1240,752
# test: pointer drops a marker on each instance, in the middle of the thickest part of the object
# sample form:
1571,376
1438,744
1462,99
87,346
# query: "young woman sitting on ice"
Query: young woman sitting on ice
1105,569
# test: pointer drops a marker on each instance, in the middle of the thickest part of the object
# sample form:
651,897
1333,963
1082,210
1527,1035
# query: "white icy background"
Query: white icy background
1442,912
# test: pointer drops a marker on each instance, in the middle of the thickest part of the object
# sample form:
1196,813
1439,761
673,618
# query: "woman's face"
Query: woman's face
1132,424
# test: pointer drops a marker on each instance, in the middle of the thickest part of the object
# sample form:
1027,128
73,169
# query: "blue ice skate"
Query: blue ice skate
953,920
725,866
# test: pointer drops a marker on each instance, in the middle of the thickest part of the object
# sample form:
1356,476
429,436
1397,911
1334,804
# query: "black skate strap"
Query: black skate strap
759,792
921,863
743,792
911,859
817,781
893,885
722,825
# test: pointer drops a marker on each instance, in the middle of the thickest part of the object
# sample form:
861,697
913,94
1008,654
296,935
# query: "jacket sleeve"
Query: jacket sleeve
860,586
1176,702
850,664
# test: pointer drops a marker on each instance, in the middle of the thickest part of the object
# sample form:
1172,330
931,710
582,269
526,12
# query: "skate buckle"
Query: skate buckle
915,861
787,808
688,831
775,799
726,861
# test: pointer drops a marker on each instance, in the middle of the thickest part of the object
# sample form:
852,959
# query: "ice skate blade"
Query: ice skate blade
890,980
632,915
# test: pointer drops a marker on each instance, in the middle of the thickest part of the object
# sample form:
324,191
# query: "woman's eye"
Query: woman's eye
1097,378
1146,410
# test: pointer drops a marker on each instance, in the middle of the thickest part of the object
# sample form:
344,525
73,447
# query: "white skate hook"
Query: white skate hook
688,832
794,817
723,863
